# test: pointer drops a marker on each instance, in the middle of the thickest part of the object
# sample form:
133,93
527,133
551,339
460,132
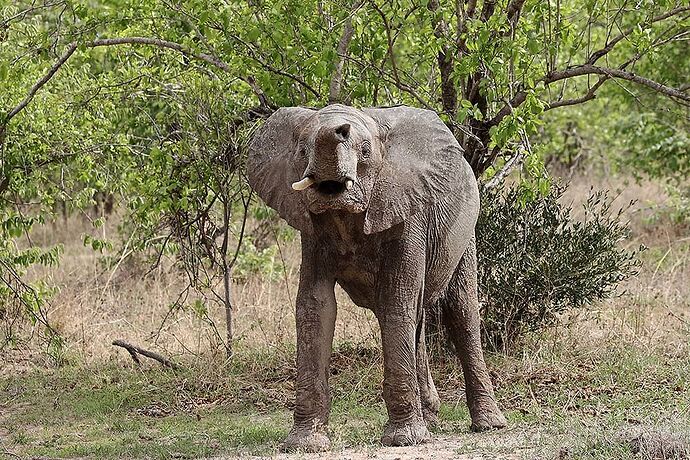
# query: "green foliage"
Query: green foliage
162,124
536,261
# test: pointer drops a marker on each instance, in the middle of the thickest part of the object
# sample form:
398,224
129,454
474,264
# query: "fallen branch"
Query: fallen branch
135,351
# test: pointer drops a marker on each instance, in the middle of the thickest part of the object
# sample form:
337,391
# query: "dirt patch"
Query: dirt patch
499,445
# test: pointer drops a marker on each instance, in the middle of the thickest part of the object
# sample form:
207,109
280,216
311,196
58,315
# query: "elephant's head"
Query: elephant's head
387,163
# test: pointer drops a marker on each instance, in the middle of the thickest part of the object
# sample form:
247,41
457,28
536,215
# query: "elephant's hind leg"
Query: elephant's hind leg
427,390
461,317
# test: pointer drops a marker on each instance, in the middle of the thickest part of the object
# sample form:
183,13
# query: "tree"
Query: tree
103,96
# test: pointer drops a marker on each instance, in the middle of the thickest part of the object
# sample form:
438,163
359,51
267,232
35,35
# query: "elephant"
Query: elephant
386,206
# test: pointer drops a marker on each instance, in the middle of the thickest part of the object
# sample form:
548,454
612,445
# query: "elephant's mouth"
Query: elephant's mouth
331,187
324,195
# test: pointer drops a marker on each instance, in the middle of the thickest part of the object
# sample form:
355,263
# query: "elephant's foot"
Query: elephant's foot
486,416
305,440
405,434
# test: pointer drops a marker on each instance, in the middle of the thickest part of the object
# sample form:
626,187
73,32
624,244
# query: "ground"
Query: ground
608,382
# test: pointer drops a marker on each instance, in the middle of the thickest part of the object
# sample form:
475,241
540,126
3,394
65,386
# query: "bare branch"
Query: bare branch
449,94
591,94
512,163
161,44
588,69
342,50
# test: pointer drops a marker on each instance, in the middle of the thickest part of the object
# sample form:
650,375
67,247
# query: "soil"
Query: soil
497,445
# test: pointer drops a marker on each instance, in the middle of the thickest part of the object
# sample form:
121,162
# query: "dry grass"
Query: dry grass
619,365
96,305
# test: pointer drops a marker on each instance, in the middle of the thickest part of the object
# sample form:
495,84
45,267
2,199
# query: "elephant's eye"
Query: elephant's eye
366,149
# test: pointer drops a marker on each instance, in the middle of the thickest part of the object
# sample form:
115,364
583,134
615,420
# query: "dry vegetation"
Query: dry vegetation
608,382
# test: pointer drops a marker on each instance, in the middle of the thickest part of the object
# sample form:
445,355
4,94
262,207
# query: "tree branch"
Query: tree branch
591,94
391,79
270,68
389,37
38,85
449,95
342,50
161,44
588,69
23,13
514,9
512,163
595,56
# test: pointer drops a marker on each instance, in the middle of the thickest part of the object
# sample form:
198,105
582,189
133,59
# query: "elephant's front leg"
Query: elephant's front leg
315,318
400,292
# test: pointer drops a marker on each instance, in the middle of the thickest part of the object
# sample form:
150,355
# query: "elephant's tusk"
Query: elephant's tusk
303,184
349,183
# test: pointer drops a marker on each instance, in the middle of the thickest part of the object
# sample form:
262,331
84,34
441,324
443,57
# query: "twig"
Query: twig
134,351
595,56
161,44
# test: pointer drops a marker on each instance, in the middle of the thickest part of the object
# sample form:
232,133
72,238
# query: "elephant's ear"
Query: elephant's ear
422,162
273,165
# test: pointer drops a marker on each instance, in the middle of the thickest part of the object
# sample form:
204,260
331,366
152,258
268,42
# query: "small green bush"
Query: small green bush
537,261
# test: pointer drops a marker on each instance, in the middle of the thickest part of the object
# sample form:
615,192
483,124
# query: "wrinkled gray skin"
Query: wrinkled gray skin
398,241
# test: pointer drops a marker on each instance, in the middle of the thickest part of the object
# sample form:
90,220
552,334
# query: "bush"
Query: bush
536,261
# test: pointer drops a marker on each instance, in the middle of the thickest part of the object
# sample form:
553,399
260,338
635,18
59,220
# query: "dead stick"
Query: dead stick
134,351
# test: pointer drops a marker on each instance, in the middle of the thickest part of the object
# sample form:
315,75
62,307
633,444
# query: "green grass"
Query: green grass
563,402
114,412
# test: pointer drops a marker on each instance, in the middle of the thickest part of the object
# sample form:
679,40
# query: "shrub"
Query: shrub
537,261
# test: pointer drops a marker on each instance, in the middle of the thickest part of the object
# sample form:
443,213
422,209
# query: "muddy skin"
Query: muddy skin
386,205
